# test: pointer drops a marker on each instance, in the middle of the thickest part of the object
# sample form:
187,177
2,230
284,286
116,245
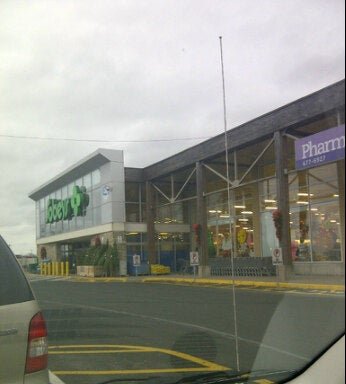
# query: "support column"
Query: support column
282,188
341,184
204,269
118,239
150,213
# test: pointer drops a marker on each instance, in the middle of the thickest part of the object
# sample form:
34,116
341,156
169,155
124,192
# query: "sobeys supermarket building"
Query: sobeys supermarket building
289,162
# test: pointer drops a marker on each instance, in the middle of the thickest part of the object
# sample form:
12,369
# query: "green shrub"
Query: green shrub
103,255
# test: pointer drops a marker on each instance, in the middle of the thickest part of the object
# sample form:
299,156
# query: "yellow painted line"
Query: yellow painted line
205,365
191,358
96,346
98,351
99,279
264,381
135,371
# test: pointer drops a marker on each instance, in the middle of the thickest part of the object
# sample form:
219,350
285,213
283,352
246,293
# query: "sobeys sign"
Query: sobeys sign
68,208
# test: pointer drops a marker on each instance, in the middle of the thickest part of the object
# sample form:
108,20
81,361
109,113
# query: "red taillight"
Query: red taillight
37,354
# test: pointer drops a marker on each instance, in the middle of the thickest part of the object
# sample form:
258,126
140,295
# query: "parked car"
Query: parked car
23,332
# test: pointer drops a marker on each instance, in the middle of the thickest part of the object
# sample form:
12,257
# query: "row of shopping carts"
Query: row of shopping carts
242,266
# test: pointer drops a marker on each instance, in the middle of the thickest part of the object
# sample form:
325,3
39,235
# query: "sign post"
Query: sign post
136,262
194,262
277,260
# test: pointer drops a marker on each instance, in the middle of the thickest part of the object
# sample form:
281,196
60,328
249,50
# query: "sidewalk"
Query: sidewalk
300,282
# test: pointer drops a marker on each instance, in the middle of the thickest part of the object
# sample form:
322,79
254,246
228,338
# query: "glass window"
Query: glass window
314,215
132,212
87,181
13,285
64,192
96,177
325,232
96,197
133,237
300,233
132,191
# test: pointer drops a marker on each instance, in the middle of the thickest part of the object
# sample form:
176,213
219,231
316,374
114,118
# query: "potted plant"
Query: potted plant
108,260
98,260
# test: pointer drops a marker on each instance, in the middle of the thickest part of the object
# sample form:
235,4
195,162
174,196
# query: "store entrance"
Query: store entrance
70,252
173,250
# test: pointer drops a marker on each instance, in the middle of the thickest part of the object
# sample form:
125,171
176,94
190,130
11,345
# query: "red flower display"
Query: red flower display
277,218
197,230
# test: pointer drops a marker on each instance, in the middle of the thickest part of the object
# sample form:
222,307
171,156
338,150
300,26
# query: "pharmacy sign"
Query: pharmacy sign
321,148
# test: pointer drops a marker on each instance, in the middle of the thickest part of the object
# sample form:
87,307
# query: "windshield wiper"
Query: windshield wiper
223,377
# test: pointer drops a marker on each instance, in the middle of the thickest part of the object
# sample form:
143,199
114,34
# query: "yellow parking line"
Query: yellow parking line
95,352
97,346
205,365
136,371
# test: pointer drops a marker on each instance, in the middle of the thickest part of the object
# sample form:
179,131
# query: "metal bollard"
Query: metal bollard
49,265
41,269
56,268
67,268
62,268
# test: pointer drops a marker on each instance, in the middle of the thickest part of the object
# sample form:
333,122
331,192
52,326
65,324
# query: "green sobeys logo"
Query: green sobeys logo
67,208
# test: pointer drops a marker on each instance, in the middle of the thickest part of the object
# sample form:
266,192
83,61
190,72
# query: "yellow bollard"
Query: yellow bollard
49,268
67,268
53,268
41,270
62,268
56,268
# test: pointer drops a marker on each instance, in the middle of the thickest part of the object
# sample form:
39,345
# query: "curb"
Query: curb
248,283
214,282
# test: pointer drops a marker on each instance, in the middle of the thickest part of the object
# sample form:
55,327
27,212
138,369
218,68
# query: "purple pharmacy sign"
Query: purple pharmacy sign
320,148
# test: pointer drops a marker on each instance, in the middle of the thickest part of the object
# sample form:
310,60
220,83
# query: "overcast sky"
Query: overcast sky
145,70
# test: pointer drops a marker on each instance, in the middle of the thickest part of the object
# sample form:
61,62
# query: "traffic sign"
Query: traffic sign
194,258
277,256
136,260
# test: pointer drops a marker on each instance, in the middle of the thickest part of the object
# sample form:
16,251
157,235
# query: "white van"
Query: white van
23,332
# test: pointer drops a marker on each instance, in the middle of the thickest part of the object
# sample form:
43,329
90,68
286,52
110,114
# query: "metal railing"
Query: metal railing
243,266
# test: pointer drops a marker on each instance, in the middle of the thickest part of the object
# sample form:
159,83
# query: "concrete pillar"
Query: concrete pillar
341,183
203,269
119,241
282,188
150,211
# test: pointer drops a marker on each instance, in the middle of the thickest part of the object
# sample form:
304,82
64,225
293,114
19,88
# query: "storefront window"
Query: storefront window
176,213
300,233
325,232
136,245
132,212
234,231
132,192
173,249
315,215
268,238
